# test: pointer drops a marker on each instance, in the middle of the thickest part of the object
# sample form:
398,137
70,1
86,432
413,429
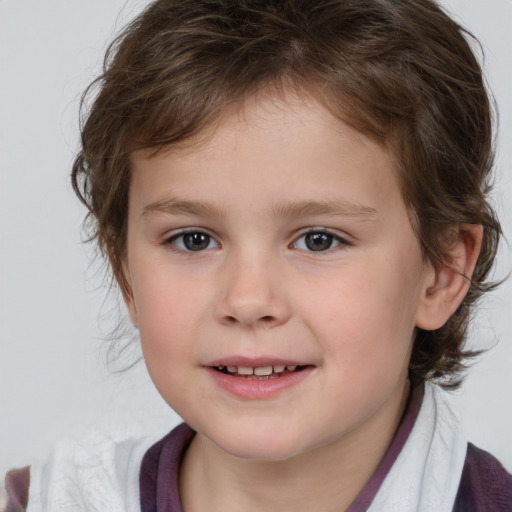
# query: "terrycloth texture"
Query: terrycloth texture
159,472
370,490
421,471
427,473
160,466
98,474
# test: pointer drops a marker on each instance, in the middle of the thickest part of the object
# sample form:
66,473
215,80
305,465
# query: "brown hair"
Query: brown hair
400,71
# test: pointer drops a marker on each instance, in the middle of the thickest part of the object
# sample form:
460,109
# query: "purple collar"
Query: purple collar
160,466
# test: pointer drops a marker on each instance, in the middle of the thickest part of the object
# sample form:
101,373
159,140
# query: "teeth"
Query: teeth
262,377
263,370
259,371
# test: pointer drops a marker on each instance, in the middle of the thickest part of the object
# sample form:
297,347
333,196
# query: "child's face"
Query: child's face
282,240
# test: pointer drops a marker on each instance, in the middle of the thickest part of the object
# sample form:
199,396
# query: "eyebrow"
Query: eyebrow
332,208
183,207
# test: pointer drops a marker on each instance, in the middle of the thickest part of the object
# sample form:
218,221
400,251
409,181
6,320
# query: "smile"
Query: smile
258,380
258,372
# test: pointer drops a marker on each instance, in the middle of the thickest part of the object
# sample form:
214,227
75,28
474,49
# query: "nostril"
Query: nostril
267,319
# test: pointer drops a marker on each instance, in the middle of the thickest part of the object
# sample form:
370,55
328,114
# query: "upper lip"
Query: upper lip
254,362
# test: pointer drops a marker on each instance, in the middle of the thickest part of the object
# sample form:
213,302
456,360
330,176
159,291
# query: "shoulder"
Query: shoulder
485,484
96,473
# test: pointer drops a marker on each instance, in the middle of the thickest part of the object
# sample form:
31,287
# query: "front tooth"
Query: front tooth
291,368
263,370
245,370
279,368
231,369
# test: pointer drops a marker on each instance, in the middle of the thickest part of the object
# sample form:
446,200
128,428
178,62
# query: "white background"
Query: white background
53,375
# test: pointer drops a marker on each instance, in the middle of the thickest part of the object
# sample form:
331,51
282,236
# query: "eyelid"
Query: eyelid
342,239
169,239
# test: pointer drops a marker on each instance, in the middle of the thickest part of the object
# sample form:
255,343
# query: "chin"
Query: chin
258,444
252,451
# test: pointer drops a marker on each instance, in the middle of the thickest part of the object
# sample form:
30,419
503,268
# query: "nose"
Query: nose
253,295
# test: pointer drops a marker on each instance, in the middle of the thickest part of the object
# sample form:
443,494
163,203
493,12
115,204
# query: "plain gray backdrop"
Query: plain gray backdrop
54,380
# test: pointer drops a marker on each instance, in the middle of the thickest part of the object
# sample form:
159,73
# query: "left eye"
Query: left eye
317,241
194,241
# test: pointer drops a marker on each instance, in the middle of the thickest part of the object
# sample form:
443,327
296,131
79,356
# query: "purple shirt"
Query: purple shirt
485,485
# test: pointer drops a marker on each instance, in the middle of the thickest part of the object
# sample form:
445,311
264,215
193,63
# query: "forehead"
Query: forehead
289,149
289,106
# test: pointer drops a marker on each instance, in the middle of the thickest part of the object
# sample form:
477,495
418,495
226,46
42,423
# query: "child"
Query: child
292,198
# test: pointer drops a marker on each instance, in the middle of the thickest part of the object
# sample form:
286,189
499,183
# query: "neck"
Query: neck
328,478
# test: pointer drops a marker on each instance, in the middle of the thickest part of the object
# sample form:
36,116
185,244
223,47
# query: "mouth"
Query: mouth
258,378
259,372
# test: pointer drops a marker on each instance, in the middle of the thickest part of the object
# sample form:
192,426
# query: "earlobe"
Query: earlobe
450,282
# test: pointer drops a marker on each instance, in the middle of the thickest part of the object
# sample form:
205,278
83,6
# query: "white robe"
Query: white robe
101,473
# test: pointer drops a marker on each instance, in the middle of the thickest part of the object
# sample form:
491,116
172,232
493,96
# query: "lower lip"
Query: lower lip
255,389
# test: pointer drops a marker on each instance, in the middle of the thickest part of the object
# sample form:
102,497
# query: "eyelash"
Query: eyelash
332,239
340,241
171,241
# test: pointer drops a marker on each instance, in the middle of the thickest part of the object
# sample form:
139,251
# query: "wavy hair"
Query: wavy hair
402,72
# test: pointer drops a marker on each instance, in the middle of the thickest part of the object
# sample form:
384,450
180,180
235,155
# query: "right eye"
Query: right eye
193,241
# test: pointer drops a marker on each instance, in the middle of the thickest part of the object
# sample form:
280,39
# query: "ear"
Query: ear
125,284
447,285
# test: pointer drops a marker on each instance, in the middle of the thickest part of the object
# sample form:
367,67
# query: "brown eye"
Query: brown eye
318,241
194,241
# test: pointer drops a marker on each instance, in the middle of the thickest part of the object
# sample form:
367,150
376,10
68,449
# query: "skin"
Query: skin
258,290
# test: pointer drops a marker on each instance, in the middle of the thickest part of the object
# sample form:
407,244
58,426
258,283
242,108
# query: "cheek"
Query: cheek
363,315
167,320
169,310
